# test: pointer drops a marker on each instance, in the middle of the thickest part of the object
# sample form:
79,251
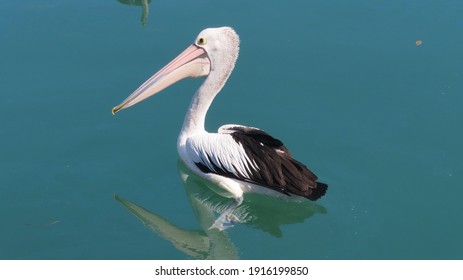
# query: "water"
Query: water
343,84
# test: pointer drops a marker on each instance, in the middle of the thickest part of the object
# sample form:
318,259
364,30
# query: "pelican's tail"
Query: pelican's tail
318,192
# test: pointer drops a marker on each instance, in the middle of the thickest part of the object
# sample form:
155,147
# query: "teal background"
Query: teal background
342,83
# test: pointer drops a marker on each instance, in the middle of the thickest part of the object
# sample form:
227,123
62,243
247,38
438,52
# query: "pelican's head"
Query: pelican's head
214,52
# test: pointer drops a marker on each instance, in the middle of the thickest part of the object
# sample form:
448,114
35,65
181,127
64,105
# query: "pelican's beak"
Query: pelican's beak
192,62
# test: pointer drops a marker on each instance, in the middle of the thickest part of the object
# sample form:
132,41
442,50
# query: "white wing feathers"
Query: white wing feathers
220,153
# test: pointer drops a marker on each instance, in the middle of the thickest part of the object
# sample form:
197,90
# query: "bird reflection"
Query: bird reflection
258,211
145,8
198,244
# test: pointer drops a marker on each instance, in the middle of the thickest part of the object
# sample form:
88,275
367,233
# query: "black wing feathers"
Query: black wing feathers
277,169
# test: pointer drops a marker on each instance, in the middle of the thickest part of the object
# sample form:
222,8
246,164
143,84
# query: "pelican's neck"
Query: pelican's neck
202,100
196,115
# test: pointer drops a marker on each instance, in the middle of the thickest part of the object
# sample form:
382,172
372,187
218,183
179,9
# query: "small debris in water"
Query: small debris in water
418,43
42,225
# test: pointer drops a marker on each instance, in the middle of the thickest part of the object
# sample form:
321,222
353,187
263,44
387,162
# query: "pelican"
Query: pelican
237,158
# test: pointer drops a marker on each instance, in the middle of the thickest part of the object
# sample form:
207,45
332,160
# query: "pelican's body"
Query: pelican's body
236,158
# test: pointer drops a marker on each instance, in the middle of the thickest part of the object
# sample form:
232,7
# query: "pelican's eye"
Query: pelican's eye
202,41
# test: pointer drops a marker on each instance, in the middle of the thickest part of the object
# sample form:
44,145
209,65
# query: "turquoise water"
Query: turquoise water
342,83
